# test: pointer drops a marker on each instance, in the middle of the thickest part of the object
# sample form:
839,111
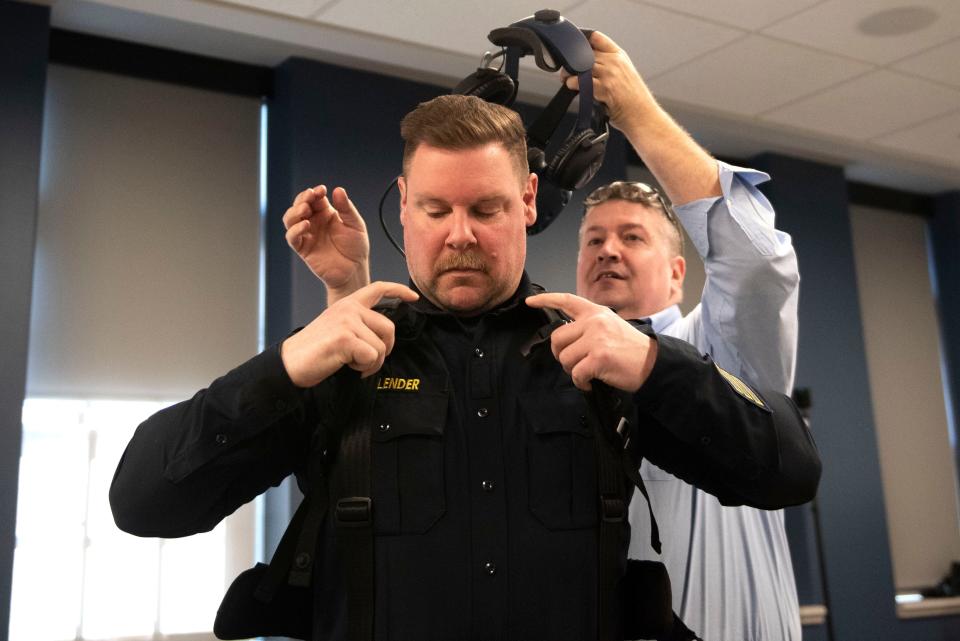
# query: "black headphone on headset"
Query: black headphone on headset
554,42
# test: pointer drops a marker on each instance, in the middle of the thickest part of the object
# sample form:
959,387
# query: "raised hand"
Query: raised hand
617,84
598,344
330,236
349,332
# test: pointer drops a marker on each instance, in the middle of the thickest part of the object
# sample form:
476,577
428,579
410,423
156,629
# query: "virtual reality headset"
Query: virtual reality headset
555,43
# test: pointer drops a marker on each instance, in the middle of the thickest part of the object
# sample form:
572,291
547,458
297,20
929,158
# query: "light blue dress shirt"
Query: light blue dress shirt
730,566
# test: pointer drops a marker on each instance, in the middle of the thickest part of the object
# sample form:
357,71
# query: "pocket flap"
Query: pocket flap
556,411
396,415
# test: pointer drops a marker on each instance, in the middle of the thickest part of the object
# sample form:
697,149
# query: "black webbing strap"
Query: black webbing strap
354,522
538,133
303,560
294,557
612,442
613,513
611,409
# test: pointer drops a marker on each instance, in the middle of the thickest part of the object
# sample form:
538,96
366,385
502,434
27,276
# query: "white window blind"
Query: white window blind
148,238
902,343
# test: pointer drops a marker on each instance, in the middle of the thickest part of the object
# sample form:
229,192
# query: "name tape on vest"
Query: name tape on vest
399,384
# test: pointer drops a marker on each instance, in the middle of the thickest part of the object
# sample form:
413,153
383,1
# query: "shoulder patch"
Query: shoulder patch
741,388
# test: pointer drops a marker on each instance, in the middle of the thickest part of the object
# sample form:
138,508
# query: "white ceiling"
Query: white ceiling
832,80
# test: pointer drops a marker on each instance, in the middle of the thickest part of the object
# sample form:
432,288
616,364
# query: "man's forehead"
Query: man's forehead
492,159
620,213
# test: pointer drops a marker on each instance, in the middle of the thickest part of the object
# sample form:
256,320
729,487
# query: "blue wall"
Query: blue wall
24,32
945,249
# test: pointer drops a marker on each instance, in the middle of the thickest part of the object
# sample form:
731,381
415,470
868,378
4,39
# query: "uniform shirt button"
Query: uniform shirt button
490,568
704,440
221,439
487,486
302,560
478,352
482,412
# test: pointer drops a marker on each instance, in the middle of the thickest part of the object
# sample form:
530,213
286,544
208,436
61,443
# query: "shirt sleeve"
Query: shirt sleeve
191,464
747,316
744,445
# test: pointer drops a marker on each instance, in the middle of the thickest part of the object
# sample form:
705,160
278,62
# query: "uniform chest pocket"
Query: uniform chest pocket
561,464
407,460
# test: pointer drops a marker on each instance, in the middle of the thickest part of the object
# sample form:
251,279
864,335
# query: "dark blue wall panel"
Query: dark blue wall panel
802,535
945,250
24,32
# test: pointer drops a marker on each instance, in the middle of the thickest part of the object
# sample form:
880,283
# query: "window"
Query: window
76,576
146,286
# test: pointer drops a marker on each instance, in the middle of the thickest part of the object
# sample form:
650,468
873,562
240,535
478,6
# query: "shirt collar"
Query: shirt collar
524,289
664,318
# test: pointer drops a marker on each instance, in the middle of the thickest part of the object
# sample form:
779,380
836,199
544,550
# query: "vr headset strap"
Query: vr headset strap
538,134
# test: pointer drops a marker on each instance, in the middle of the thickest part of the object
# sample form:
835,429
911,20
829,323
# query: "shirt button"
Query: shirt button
487,486
490,568
482,412
302,560
221,439
704,440
478,352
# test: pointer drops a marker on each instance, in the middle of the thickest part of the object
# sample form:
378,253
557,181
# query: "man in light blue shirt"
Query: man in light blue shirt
730,566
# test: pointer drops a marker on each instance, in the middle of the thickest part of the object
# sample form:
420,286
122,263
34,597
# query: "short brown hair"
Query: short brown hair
464,122
638,192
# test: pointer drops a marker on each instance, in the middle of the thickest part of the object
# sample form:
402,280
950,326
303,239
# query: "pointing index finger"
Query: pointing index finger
373,293
572,306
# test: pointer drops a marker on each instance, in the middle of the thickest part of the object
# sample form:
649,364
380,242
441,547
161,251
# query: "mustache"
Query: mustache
460,260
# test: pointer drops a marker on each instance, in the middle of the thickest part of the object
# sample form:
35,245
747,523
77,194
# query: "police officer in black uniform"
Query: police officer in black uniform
474,428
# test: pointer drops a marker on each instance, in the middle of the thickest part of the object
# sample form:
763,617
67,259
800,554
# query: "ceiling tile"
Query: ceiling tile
454,26
296,8
938,139
743,14
941,64
880,102
833,26
656,39
753,75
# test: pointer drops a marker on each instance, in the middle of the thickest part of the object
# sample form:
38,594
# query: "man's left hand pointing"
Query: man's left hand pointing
598,344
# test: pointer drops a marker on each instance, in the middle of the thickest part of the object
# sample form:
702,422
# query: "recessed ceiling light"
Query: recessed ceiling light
896,22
